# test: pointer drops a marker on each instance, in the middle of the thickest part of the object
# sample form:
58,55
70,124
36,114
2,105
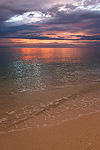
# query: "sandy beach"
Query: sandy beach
79,134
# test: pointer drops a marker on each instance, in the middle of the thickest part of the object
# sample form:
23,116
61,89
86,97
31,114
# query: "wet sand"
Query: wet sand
82,133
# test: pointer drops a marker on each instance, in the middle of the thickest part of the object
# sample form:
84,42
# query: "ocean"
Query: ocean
46,86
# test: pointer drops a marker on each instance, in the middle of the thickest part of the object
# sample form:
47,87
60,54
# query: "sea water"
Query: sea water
48,85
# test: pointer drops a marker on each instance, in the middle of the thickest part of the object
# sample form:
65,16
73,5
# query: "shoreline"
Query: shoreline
80,102
81,134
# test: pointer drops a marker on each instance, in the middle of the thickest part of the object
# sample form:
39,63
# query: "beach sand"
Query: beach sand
82,133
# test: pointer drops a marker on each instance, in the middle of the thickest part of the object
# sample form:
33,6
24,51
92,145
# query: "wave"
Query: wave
15,117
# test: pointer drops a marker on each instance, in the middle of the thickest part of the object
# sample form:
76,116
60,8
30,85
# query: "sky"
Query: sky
49,23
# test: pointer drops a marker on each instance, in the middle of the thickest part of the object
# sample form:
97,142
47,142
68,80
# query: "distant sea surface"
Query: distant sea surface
47,85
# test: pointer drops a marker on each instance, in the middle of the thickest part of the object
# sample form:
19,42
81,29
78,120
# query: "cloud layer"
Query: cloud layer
51,20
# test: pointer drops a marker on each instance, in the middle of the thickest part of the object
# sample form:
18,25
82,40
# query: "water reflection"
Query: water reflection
51,54
45,68
58,54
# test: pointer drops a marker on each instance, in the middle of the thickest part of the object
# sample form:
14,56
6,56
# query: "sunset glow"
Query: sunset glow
50,23
49,55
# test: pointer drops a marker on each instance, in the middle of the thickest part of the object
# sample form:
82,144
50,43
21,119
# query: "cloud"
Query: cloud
7,11
9,8
71,6
90,2
28,17
50,20
83,37
85,21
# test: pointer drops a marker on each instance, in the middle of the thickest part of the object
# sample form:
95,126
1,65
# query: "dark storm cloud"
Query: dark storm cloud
25,32
9,31
31,35
73,23
73,19
81,20
7,11
83,37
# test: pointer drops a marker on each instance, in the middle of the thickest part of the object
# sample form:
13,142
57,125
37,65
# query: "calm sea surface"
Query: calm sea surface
33,81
